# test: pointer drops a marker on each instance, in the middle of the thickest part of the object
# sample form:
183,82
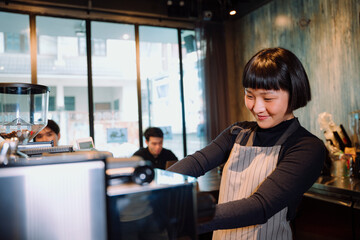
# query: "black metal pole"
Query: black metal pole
90,82
182,92
138,81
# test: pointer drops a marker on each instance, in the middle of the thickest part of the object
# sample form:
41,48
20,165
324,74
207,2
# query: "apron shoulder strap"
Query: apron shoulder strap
242,134
291,129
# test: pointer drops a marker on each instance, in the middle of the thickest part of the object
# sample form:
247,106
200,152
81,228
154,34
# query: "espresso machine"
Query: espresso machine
84,194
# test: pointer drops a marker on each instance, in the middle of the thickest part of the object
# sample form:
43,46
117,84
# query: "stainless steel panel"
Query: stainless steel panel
56,201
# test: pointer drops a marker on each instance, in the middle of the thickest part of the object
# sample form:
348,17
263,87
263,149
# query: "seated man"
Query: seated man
50,133
160,157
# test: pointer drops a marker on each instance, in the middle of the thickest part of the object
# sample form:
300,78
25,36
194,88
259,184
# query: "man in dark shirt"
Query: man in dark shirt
160,157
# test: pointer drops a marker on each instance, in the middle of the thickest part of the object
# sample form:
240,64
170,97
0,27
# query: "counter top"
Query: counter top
344,191
338,185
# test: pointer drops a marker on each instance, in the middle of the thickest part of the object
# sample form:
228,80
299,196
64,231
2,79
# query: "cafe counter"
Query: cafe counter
343,191
330,209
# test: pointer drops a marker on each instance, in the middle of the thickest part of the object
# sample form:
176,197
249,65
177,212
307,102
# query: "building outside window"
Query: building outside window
14,48
62,66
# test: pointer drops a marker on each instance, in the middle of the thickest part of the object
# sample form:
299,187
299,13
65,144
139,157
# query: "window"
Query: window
193,94
160,84
69,103
64,70
14,48
98,47
12,42
16,43
52,103
116,105
116,128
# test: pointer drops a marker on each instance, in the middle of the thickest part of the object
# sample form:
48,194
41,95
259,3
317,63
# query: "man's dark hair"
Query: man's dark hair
278,68
153,132
53,126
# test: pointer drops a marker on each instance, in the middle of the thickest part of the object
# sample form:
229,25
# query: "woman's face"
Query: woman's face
268,106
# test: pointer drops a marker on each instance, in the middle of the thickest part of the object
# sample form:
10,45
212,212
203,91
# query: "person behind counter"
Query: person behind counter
50,133
154,152
269,163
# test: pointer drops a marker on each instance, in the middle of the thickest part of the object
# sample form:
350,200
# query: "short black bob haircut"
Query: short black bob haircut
153,132
275,69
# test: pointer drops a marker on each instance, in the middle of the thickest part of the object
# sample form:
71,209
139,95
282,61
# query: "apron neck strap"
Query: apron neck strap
290,130
250,141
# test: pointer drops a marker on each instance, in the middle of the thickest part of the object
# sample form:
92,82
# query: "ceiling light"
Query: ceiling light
232,12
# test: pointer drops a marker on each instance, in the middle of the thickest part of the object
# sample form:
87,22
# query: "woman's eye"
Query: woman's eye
268,99
249,97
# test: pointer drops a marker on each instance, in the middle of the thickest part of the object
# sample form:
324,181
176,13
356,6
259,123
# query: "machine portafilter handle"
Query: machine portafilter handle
8,149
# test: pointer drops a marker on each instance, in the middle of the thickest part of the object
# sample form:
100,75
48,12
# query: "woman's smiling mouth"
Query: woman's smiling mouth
261,118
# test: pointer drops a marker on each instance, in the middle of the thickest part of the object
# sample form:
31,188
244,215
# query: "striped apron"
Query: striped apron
247,167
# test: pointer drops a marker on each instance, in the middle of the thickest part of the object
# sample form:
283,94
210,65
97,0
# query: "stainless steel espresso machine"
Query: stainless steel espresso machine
83,194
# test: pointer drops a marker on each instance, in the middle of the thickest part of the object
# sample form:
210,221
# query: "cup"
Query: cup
342,167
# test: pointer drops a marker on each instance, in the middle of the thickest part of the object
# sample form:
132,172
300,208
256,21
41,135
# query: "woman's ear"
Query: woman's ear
59,136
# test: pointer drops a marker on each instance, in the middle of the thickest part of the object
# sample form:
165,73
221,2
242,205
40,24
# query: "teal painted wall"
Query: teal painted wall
324,34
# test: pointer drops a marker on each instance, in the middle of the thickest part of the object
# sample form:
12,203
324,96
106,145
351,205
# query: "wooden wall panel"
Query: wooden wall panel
324,34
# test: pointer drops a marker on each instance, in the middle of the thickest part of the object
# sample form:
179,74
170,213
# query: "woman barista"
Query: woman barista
270,163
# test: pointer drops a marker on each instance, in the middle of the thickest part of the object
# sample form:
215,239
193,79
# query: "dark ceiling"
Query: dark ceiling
221,8
214,10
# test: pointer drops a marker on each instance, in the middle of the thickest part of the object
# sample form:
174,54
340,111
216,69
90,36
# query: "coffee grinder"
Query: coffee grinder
23,114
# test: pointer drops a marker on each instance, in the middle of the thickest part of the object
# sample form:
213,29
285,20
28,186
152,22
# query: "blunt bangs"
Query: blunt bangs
267,76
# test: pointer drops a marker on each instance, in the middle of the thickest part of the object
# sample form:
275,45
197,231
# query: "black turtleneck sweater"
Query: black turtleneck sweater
300,163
